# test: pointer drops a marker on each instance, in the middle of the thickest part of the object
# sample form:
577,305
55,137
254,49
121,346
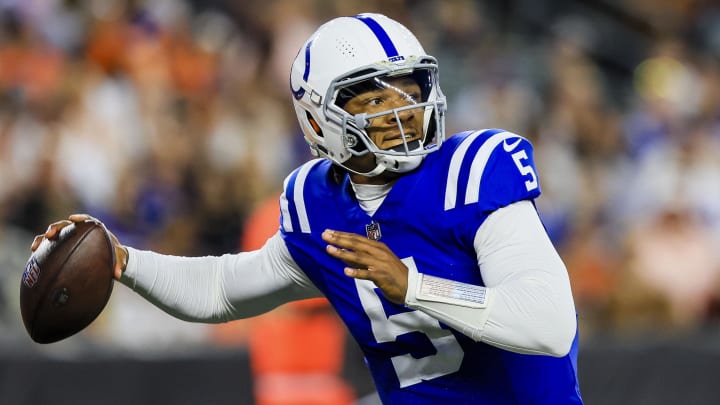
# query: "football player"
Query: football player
429,247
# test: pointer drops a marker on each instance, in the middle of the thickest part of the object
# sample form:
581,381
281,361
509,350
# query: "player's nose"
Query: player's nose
404,115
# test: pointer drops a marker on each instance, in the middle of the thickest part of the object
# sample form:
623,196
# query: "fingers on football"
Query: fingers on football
51,231
81,218
55,228
36,242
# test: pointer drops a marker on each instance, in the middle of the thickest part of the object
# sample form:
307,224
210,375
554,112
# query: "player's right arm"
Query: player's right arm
208,289
216,289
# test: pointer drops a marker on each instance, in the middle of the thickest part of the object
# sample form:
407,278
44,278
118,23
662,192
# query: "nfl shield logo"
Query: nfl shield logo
373,231
32,273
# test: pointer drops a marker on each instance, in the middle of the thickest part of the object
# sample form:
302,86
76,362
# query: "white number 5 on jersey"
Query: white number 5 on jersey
519,157
385,328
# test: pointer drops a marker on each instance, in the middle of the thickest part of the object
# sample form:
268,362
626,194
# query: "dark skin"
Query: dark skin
383,130
366,259
54,230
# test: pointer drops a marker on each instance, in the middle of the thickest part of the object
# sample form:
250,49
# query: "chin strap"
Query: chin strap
379,169
395,164
400,164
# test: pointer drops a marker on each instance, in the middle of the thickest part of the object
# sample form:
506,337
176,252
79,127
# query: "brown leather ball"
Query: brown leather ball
67,282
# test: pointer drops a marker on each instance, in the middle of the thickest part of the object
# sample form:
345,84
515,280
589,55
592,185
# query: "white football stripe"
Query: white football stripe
298,195
472,193
454,170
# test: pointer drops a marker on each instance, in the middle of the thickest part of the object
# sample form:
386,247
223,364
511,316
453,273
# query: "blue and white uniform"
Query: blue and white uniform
465,217
430,217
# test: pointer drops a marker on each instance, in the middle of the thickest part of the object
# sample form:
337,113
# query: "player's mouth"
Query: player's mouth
399,146
399,137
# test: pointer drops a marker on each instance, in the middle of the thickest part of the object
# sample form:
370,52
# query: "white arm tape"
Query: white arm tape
436,289
463,315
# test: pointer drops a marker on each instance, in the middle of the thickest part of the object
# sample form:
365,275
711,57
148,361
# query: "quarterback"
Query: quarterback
428,247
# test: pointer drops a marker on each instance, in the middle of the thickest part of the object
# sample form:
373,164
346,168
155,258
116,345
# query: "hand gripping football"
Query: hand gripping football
67,282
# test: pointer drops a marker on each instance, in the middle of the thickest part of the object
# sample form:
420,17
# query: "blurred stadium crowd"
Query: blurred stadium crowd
171,120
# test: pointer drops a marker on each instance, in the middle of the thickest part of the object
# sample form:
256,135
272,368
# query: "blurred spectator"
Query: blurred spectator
685,167
593,266
671,274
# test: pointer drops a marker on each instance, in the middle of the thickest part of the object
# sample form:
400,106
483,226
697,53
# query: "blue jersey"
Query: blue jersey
431,216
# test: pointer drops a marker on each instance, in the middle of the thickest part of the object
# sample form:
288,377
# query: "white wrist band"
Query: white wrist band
436,289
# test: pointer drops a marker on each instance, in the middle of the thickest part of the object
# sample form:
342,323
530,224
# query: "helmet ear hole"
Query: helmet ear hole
315,126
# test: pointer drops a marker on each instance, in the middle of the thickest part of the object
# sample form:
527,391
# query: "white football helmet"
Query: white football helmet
361,52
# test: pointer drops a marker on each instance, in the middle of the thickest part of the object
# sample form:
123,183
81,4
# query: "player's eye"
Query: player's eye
374,101
414,96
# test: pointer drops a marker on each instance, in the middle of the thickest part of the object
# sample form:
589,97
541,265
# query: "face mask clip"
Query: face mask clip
361,121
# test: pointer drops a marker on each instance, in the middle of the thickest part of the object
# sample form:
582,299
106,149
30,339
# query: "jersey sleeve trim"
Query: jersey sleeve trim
295,185
285,207
454,170
472,192
477,167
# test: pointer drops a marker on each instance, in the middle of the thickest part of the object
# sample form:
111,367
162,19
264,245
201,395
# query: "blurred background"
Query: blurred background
171,121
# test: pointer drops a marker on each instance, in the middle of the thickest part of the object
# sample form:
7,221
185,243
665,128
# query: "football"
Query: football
67,282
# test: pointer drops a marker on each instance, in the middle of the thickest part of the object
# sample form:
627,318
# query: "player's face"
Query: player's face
385,131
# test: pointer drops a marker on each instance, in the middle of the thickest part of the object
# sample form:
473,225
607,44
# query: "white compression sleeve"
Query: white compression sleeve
218,289
527,305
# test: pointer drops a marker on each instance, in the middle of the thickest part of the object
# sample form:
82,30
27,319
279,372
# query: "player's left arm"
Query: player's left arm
526,305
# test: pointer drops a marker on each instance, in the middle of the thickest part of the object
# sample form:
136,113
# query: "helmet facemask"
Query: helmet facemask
404,146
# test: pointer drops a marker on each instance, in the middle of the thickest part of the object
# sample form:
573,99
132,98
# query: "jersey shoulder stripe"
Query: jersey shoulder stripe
454,169
292,200
488,139
480,160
